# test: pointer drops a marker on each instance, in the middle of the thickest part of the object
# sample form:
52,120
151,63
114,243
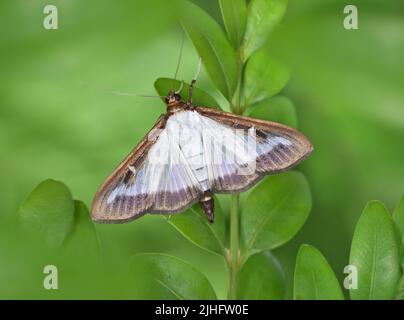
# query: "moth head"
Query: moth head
172,98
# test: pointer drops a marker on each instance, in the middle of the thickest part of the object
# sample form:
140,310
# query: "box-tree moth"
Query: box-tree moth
191,153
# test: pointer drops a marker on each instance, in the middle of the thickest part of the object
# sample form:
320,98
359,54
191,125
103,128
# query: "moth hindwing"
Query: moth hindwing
191,153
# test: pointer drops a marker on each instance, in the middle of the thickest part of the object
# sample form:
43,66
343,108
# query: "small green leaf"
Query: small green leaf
83,240
375,253
400,290
314,278
264,77
47,213
176,278
274,211
261,278
218,56
194,226
199,97
262,17
277,109
234,13
398,218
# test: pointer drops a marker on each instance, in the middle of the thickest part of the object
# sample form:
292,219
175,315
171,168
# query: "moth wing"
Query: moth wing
276,148
149,180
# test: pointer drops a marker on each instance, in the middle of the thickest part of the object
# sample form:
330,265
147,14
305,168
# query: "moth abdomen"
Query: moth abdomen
208,205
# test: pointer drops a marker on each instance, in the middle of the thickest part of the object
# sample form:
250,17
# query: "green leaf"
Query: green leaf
274,211
47,213
264,77
261,278
314,278
234,13
83,240
277,109
398,218
217,54
199,97
400,290
375,253
262,17
194,226
176,278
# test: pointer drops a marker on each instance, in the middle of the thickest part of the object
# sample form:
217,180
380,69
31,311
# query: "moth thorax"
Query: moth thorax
175,106
173,101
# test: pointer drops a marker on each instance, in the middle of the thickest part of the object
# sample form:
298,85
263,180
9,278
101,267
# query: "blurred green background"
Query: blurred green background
60,120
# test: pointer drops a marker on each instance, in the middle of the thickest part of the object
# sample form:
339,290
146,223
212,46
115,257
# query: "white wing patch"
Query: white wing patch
195,153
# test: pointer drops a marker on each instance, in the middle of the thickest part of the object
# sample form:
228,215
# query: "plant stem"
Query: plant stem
234,246
236,106
233,259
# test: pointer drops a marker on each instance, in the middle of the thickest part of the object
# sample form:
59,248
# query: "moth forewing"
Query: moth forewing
103,210
277,144
191,153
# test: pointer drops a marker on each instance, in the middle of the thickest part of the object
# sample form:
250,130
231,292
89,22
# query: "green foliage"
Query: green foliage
398,218
234,13
48,213
263,16
176,278
261,278
194,226
83,239
400,289
274,211
52,219
375,252
212,45
314,278
199,97
278,109
264,77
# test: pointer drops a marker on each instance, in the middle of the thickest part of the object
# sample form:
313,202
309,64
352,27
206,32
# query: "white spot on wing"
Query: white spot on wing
280,140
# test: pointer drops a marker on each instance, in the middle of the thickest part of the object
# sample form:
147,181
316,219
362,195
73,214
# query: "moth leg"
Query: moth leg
208,205
191,87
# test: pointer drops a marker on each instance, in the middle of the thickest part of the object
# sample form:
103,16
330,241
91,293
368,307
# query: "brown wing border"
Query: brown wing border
136,156
234,120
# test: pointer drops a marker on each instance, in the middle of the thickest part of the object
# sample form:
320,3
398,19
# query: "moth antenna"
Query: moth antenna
179,57
198,70
129,94
180,88
191,87
119,93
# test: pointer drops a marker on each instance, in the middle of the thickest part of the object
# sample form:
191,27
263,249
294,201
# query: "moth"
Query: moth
191,153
